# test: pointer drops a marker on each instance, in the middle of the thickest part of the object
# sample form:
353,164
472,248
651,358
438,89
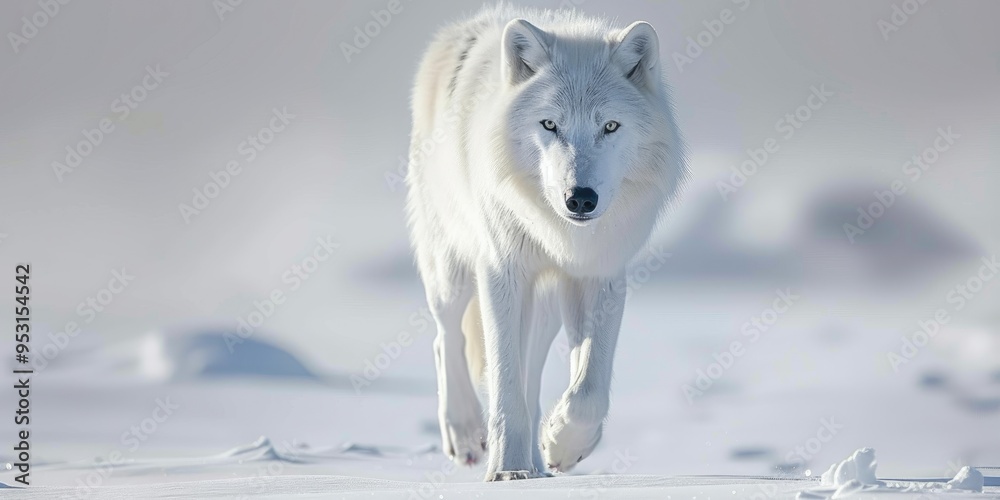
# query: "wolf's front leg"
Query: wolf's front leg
592,314
503,295
463,436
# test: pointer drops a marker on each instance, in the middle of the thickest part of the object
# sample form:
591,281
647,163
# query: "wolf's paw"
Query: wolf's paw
565,443
464,441
513,475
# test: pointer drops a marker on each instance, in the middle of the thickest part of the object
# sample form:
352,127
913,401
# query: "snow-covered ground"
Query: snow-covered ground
805,395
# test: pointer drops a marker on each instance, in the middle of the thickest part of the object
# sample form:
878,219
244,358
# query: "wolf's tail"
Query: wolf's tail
475,348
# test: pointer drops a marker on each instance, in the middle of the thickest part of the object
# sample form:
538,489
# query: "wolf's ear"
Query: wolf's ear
524,49
638,52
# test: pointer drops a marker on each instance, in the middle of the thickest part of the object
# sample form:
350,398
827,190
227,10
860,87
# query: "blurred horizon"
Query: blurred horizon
231,70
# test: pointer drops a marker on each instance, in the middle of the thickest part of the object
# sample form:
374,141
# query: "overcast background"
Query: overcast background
335,171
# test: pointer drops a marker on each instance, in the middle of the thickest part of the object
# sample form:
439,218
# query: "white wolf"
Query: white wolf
543,152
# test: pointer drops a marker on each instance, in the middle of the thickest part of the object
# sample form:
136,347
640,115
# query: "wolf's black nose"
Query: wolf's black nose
581,200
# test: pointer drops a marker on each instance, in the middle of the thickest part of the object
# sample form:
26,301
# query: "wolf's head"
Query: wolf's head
584,114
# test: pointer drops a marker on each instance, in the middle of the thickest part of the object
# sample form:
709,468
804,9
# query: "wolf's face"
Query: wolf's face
581,112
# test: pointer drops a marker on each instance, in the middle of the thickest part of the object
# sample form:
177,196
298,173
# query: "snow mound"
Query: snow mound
857,469
261,449
264,449
216,353
967,479
856,474
207,353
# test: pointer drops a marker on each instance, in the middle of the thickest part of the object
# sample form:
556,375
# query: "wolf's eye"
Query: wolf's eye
611,126
549,125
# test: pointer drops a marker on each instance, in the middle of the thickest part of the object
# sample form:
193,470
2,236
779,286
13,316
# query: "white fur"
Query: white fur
492,233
